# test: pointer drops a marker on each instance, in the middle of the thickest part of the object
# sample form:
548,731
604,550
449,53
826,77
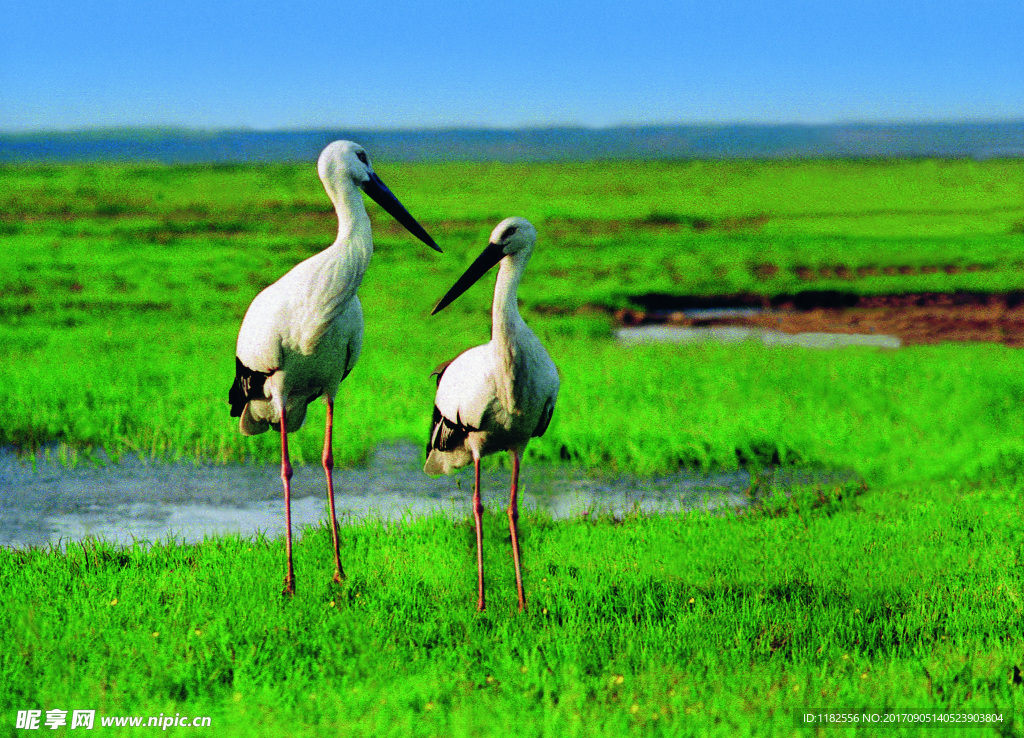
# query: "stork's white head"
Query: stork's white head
343,160
344,165
514,235
513,238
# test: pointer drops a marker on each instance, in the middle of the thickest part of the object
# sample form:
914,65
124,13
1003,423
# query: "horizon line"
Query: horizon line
214,130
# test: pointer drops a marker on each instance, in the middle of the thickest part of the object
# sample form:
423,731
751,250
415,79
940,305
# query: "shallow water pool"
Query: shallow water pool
136,500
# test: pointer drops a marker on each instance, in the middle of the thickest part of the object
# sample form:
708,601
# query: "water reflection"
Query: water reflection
740,334
146,501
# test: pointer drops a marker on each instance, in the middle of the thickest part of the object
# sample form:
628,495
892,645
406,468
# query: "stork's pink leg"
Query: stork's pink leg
286,477
328,461
478,512
513,519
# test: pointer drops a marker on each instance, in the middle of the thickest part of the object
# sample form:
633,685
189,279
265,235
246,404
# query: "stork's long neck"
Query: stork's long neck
352,249
506,323
505,318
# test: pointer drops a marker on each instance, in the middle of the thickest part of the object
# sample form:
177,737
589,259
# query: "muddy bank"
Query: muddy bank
916,318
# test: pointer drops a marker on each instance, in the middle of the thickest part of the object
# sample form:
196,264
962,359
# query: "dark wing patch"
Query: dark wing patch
545,419
348,357
446,435
248,385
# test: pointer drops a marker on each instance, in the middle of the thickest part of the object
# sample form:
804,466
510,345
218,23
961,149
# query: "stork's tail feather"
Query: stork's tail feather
251,426
433,467
248,385
445,462
258,416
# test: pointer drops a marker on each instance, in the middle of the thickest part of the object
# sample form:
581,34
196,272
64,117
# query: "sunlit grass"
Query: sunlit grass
121,292
919,413
122,288
719,624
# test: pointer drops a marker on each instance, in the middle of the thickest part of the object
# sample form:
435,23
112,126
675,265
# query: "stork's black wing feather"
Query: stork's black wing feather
446,435
248,385
545,419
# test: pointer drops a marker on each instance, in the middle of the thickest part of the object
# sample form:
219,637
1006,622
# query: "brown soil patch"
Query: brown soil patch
914,318
912,325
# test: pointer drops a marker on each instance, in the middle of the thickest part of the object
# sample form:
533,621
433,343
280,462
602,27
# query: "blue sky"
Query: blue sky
67,64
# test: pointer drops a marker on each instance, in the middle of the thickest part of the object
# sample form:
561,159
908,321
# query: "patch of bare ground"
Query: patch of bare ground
918,318
842,271
913,325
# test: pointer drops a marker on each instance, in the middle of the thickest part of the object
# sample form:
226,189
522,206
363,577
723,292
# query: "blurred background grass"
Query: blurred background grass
122,288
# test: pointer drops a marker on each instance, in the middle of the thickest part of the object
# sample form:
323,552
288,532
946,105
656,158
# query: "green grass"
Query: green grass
689,227
701,623
121,292
914,414
122,288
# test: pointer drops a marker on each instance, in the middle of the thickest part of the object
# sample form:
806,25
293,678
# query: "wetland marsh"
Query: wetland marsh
121,291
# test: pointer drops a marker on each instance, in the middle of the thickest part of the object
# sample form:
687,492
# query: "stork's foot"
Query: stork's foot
289,587
339,576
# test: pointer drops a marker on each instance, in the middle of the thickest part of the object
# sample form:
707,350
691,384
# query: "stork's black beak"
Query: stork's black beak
380,194
487,259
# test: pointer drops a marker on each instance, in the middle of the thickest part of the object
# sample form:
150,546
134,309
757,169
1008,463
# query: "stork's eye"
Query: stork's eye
361,155
509,232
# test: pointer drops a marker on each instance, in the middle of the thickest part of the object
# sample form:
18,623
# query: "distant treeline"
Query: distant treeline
732,141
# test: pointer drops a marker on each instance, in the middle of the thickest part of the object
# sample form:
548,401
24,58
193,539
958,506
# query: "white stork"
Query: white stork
301,335
498,396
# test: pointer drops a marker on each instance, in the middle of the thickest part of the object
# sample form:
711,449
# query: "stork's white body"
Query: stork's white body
306,329
302,335
497,396
503,391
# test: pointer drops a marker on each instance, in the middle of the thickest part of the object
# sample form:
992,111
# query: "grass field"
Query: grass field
663,625
122,287
121,292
